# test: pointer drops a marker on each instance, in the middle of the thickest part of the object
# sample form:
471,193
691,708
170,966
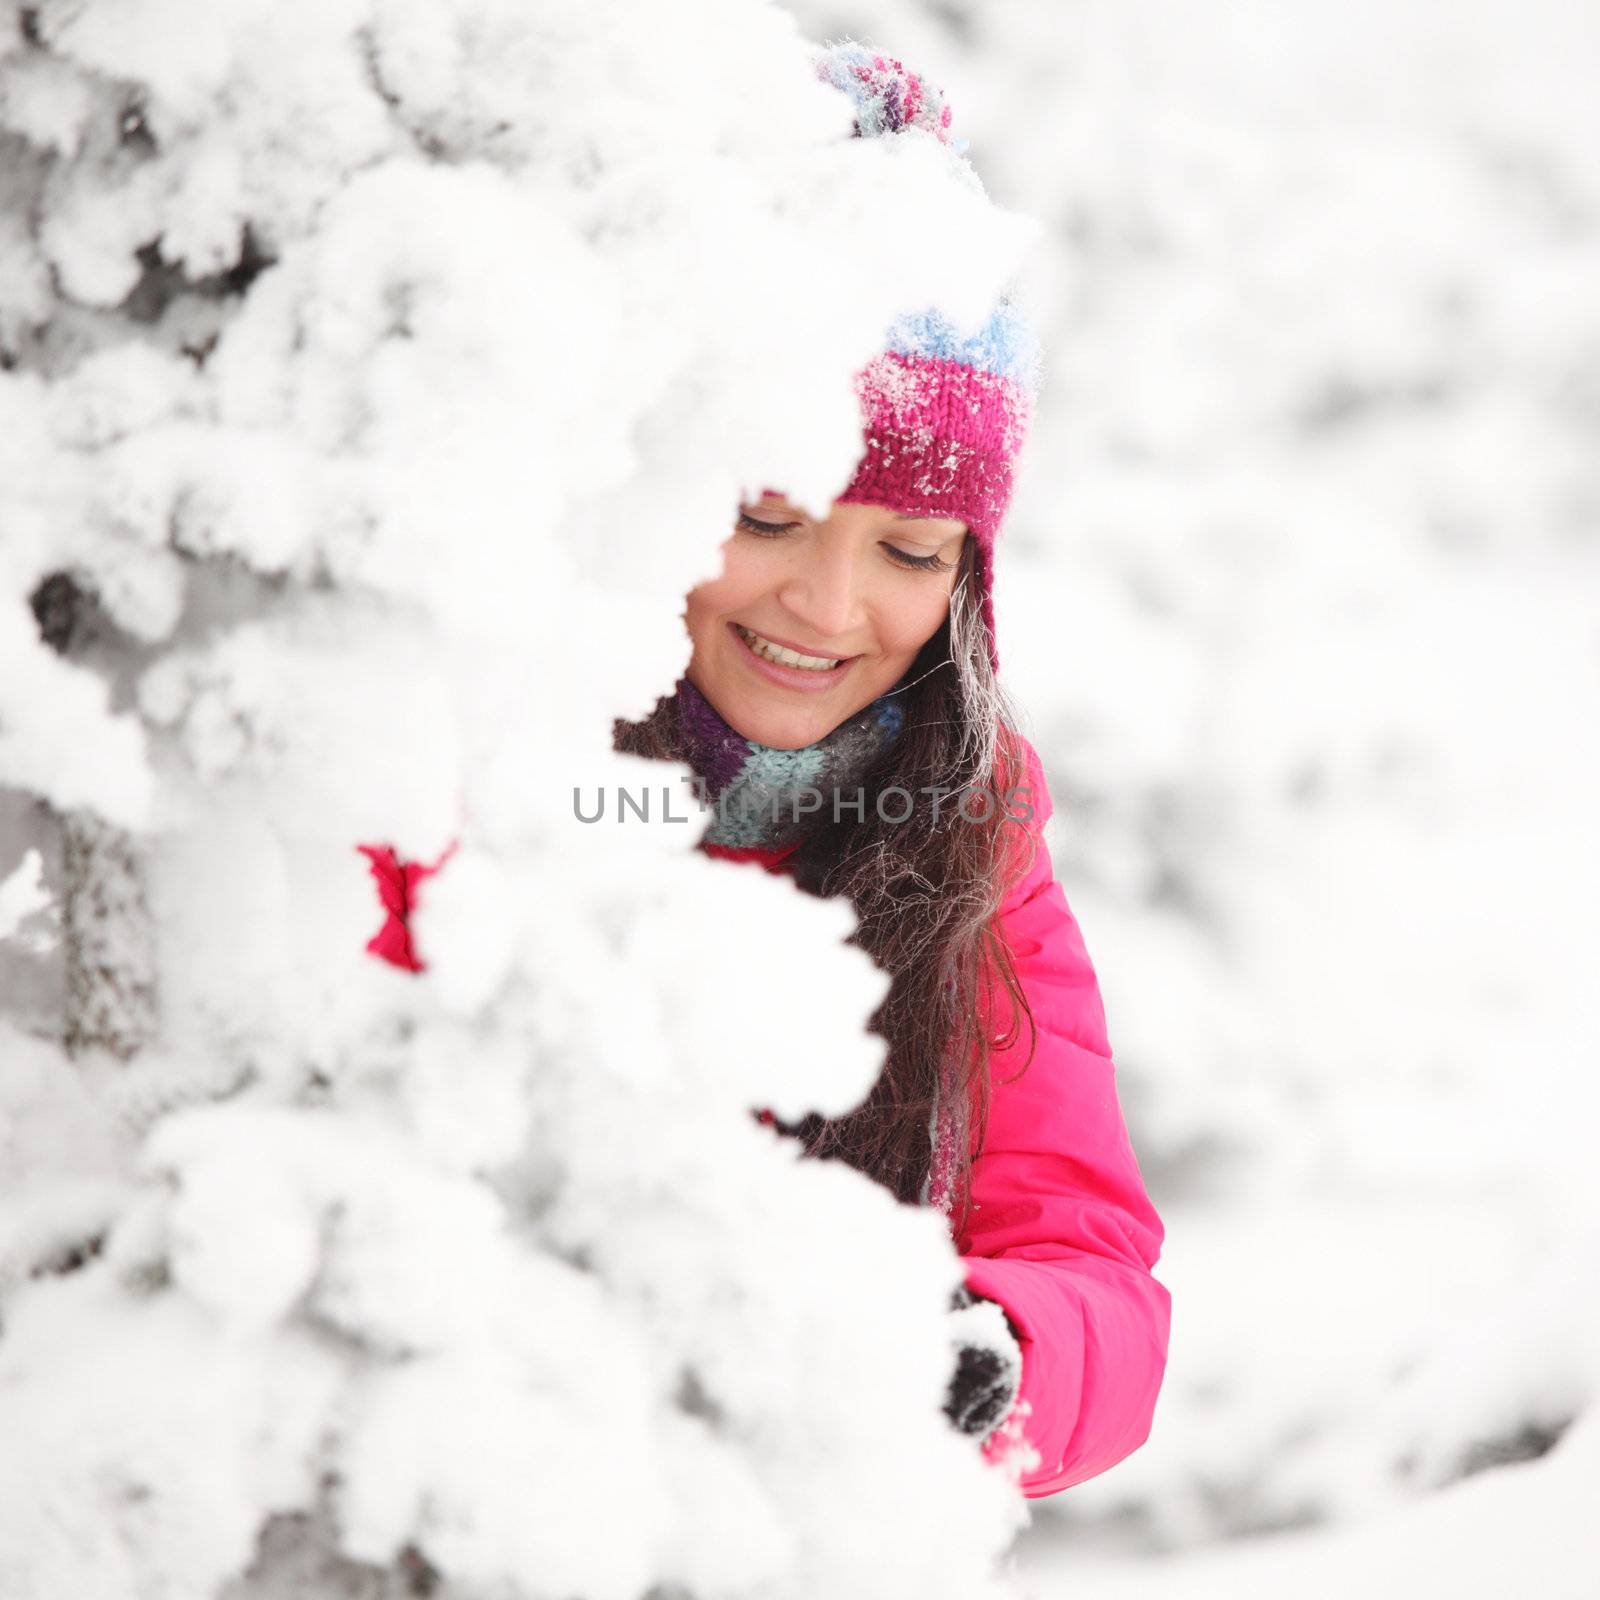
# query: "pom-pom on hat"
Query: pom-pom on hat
945,414
888,95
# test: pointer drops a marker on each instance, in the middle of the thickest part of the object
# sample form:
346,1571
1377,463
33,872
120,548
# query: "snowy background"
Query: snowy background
1298,592
1302,592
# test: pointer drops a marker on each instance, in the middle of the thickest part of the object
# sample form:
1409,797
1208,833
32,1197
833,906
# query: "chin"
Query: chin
782,730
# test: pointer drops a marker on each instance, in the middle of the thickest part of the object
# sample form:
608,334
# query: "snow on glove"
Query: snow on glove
988,1371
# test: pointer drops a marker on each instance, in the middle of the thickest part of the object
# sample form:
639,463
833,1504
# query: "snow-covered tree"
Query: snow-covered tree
378,375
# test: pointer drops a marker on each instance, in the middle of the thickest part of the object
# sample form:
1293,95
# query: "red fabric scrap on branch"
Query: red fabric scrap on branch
397,883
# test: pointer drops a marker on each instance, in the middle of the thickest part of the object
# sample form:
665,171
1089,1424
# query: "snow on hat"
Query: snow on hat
945,414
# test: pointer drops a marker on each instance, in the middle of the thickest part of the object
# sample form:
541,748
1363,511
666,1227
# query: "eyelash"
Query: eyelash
901,558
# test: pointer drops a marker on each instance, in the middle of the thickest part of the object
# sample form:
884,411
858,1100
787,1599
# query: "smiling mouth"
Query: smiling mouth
781,656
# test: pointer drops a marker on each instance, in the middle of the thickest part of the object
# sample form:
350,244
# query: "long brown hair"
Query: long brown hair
925,896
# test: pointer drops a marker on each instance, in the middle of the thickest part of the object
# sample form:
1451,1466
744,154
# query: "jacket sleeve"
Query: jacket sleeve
1060,1231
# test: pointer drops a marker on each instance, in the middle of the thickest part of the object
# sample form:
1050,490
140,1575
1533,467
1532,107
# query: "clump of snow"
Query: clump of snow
24,897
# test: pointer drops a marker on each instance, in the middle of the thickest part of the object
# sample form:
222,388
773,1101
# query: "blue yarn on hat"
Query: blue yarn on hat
1005,345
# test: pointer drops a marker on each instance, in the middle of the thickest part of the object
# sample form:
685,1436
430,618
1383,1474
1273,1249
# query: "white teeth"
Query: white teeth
787,658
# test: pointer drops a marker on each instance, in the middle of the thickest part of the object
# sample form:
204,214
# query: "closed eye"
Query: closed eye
767,529
901,558
904,558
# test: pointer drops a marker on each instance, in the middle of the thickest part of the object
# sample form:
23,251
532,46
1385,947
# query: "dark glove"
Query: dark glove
988,1370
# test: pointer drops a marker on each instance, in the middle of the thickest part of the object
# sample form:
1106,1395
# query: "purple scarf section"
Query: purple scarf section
711,747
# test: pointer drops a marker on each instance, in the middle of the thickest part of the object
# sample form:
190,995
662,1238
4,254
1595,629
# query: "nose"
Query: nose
823,590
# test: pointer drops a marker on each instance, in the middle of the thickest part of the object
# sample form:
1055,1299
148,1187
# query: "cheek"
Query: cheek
917,618
740,582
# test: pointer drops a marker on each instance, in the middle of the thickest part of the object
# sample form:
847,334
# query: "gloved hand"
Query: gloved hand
988,1373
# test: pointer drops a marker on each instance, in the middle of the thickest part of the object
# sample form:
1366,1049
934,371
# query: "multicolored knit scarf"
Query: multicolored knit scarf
762,796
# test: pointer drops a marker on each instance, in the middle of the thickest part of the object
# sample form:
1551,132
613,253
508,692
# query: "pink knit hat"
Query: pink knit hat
945,414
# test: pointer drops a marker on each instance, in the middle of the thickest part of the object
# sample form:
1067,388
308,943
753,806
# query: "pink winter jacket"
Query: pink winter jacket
1059,1232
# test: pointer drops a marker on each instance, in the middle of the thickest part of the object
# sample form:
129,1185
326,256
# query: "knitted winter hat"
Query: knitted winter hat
945,414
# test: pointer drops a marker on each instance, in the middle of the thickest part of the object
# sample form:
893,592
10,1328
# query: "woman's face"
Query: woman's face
856,594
